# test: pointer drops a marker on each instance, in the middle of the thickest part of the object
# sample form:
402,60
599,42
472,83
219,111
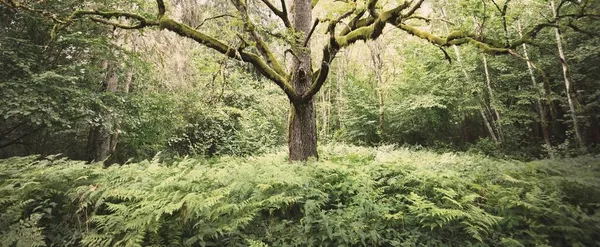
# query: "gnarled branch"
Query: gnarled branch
282,14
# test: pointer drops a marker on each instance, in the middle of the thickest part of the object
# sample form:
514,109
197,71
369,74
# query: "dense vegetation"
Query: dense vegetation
352,197
94,92
162,123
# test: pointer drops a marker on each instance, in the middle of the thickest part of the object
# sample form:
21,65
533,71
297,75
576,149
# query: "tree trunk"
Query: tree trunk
488,126
568,85
302,139
302,133
324,114
540,106
329,106
377,63
486,121
492,98
99,140
339,99
468,78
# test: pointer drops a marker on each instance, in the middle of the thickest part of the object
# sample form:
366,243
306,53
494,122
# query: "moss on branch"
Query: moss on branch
240,54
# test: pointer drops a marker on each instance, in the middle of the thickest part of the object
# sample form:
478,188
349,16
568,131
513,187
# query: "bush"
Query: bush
351,197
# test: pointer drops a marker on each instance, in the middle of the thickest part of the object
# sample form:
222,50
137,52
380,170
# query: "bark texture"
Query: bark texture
302,135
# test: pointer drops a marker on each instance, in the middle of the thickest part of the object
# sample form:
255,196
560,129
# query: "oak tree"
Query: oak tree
290,65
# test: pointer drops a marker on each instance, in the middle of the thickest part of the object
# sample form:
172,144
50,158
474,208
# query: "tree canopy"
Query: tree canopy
407,123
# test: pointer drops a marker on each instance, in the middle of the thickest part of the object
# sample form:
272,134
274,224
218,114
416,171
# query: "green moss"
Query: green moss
455,35
186,31
313,3
362,33
422,34
259,64
485,48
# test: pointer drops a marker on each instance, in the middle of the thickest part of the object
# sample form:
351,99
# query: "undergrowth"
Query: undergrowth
352,197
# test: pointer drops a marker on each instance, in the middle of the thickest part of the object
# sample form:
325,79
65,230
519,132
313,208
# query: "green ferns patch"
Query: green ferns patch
352,197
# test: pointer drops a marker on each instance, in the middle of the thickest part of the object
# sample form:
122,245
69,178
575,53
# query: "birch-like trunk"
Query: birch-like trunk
492,98
486,121
377,64
339,100
540,105
568,85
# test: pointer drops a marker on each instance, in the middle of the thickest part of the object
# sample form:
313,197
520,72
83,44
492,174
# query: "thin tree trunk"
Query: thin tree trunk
488,126
328,115
378,69
540,105
486,121
568,85
468,78
492,98
323,114
340,93
302,133
381,113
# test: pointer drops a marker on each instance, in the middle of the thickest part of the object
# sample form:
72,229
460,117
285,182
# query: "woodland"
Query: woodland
299,123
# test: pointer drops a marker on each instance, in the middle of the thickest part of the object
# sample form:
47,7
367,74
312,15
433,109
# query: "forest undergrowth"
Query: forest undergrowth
352,196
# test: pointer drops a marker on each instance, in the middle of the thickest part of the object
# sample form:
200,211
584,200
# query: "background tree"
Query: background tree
278,44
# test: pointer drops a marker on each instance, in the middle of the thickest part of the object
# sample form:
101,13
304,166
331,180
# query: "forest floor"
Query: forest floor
352,196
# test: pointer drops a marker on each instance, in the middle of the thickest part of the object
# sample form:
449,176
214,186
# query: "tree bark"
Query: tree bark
302,140
302,133
568,85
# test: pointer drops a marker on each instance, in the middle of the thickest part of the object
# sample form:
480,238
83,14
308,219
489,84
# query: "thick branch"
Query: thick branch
221,47
121,25
413,9
358,29
282,14
262,47
371,4
213,18
313,3
356,23
44,13
454,38
160,4
107,15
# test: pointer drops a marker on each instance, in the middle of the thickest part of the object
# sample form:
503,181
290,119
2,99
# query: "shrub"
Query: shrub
351,197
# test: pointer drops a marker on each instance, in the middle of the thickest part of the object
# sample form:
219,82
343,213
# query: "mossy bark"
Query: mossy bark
302,138
302,135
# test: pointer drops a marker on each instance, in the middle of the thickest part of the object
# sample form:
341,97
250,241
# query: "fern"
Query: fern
351,197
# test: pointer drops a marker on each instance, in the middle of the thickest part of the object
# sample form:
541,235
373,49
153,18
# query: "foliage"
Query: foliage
352,197
51,86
